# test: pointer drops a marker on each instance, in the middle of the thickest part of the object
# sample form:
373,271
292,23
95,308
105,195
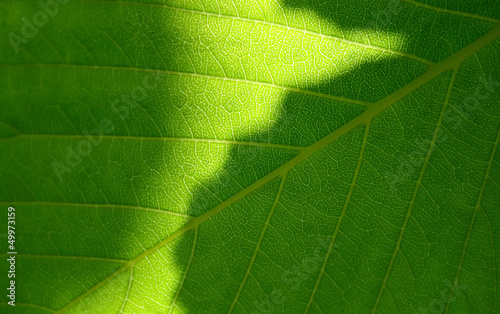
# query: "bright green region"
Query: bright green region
250,156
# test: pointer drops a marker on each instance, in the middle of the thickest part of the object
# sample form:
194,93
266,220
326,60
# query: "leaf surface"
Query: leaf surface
255,156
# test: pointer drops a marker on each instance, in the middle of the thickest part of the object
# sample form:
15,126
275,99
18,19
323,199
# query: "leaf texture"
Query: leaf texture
251,156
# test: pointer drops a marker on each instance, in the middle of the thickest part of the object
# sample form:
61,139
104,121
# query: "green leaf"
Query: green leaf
250,156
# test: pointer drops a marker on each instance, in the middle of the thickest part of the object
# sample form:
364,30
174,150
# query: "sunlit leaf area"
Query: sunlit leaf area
250,156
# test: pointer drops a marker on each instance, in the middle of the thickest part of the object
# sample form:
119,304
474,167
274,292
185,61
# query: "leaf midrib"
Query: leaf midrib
433,71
